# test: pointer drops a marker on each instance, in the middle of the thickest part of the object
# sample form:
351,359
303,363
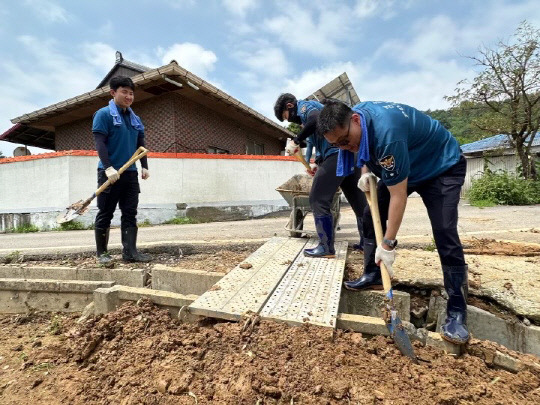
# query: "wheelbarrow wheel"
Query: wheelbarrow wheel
297,222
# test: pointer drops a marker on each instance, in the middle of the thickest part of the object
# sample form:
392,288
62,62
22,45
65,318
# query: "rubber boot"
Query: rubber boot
102,240
129,242
359,246
325,230
457,287
371,279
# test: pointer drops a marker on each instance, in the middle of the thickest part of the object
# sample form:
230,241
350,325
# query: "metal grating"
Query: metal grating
310,290
247,289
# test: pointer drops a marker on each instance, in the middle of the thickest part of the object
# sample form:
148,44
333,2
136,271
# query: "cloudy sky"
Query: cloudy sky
410,51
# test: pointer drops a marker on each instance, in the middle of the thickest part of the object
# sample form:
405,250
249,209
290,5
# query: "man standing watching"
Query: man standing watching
325,181
118,133
409,151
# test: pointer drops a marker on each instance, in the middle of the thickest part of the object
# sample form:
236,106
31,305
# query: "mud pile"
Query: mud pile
138,354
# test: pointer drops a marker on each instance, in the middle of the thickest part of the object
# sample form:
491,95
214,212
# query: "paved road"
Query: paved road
504,223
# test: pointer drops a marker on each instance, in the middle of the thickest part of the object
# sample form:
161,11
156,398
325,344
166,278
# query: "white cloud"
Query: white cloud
239,7
270,61
98,54
385,9
190,56
48,10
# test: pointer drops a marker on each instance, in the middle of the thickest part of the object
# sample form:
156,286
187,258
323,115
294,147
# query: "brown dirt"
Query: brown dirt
138,354
493,247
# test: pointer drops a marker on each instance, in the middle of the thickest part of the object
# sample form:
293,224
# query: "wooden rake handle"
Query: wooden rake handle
374,208
139,153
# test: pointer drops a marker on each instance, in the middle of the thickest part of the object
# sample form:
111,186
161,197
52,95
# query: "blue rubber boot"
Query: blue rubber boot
359,246
456,280
325,230
371,279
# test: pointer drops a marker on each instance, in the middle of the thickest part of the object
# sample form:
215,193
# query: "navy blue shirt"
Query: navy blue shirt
406,143
121,140
322,147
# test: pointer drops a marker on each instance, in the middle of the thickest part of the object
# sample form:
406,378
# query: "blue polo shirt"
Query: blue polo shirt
406,143
121,140
322,147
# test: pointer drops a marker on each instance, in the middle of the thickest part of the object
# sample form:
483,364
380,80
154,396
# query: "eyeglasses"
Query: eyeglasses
343,140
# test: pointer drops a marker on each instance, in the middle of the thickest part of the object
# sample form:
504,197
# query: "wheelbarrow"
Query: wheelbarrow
296,192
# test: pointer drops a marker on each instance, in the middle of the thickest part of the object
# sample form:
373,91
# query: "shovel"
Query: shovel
390,316
298,155
81,207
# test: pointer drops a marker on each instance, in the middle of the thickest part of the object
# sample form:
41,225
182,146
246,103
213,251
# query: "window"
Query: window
216,150
253,148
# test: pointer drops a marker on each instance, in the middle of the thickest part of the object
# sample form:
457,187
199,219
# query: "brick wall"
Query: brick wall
176,124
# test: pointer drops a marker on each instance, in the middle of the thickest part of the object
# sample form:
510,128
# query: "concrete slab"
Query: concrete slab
108,299
183,281
23,296
247,287
128,277
364,324
310,290
435,340
369,303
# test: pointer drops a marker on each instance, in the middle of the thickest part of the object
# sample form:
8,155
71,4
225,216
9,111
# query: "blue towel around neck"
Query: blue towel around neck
117,120
345,163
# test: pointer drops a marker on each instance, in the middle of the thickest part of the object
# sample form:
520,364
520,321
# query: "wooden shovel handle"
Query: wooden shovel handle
298,155
139,153
374,208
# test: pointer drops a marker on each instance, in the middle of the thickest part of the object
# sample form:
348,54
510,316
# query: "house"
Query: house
182,114
495,153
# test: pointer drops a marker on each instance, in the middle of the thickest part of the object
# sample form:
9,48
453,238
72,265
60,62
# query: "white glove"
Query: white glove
292,148
363,182
387,257
313,170
145,173
112,174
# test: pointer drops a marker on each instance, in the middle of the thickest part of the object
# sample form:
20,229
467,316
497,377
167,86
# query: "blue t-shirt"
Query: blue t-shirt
406,143
121,140
322,147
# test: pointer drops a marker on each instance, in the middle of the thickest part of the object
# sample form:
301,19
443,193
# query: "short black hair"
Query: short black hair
335,113
281,104
121,81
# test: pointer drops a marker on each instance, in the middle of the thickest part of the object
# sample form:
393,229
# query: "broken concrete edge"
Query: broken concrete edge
54,286
128,277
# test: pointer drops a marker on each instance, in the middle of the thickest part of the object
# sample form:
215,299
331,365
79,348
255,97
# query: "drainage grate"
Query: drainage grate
247,289
310,290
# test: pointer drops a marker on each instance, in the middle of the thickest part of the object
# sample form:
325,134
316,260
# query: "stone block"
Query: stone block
370,302
435,340
364,324
183,281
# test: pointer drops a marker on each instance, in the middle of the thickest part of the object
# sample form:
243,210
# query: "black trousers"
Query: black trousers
326,183
125,193
441,197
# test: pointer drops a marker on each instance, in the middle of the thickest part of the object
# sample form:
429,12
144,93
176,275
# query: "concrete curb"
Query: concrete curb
183,281
128,277
370,302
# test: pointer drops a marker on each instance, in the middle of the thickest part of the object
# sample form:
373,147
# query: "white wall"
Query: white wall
54,183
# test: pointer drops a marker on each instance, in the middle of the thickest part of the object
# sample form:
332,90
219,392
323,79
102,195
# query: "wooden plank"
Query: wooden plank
310,290
245,290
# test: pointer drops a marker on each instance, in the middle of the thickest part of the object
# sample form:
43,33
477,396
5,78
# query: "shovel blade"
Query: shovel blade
398,333
69,215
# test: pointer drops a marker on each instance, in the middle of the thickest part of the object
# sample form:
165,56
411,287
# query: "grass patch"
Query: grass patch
181,221
55,328
13,257
431,247
26,228
144,224
73,226
483,203
503,188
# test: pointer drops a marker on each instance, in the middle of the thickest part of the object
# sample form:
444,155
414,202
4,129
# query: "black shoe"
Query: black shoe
102,240
325,230
371,279
129,242
359,246
456,284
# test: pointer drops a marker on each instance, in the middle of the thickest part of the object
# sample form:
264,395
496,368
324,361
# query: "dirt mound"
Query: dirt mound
138,354
494,247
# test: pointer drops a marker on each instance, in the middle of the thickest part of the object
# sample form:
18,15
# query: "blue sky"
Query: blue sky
409,51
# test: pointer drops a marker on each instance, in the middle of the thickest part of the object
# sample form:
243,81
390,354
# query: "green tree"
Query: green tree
294,128
507,90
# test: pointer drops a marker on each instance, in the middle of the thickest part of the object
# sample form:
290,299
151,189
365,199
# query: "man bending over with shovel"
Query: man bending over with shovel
409,151
325,182
118,133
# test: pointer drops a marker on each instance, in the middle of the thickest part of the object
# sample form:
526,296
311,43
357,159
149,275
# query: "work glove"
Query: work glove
145,173
112,174
387,257
292,148
313,170
363,182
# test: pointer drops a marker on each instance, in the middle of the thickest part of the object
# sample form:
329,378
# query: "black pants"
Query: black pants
125,193
326,183
441,197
